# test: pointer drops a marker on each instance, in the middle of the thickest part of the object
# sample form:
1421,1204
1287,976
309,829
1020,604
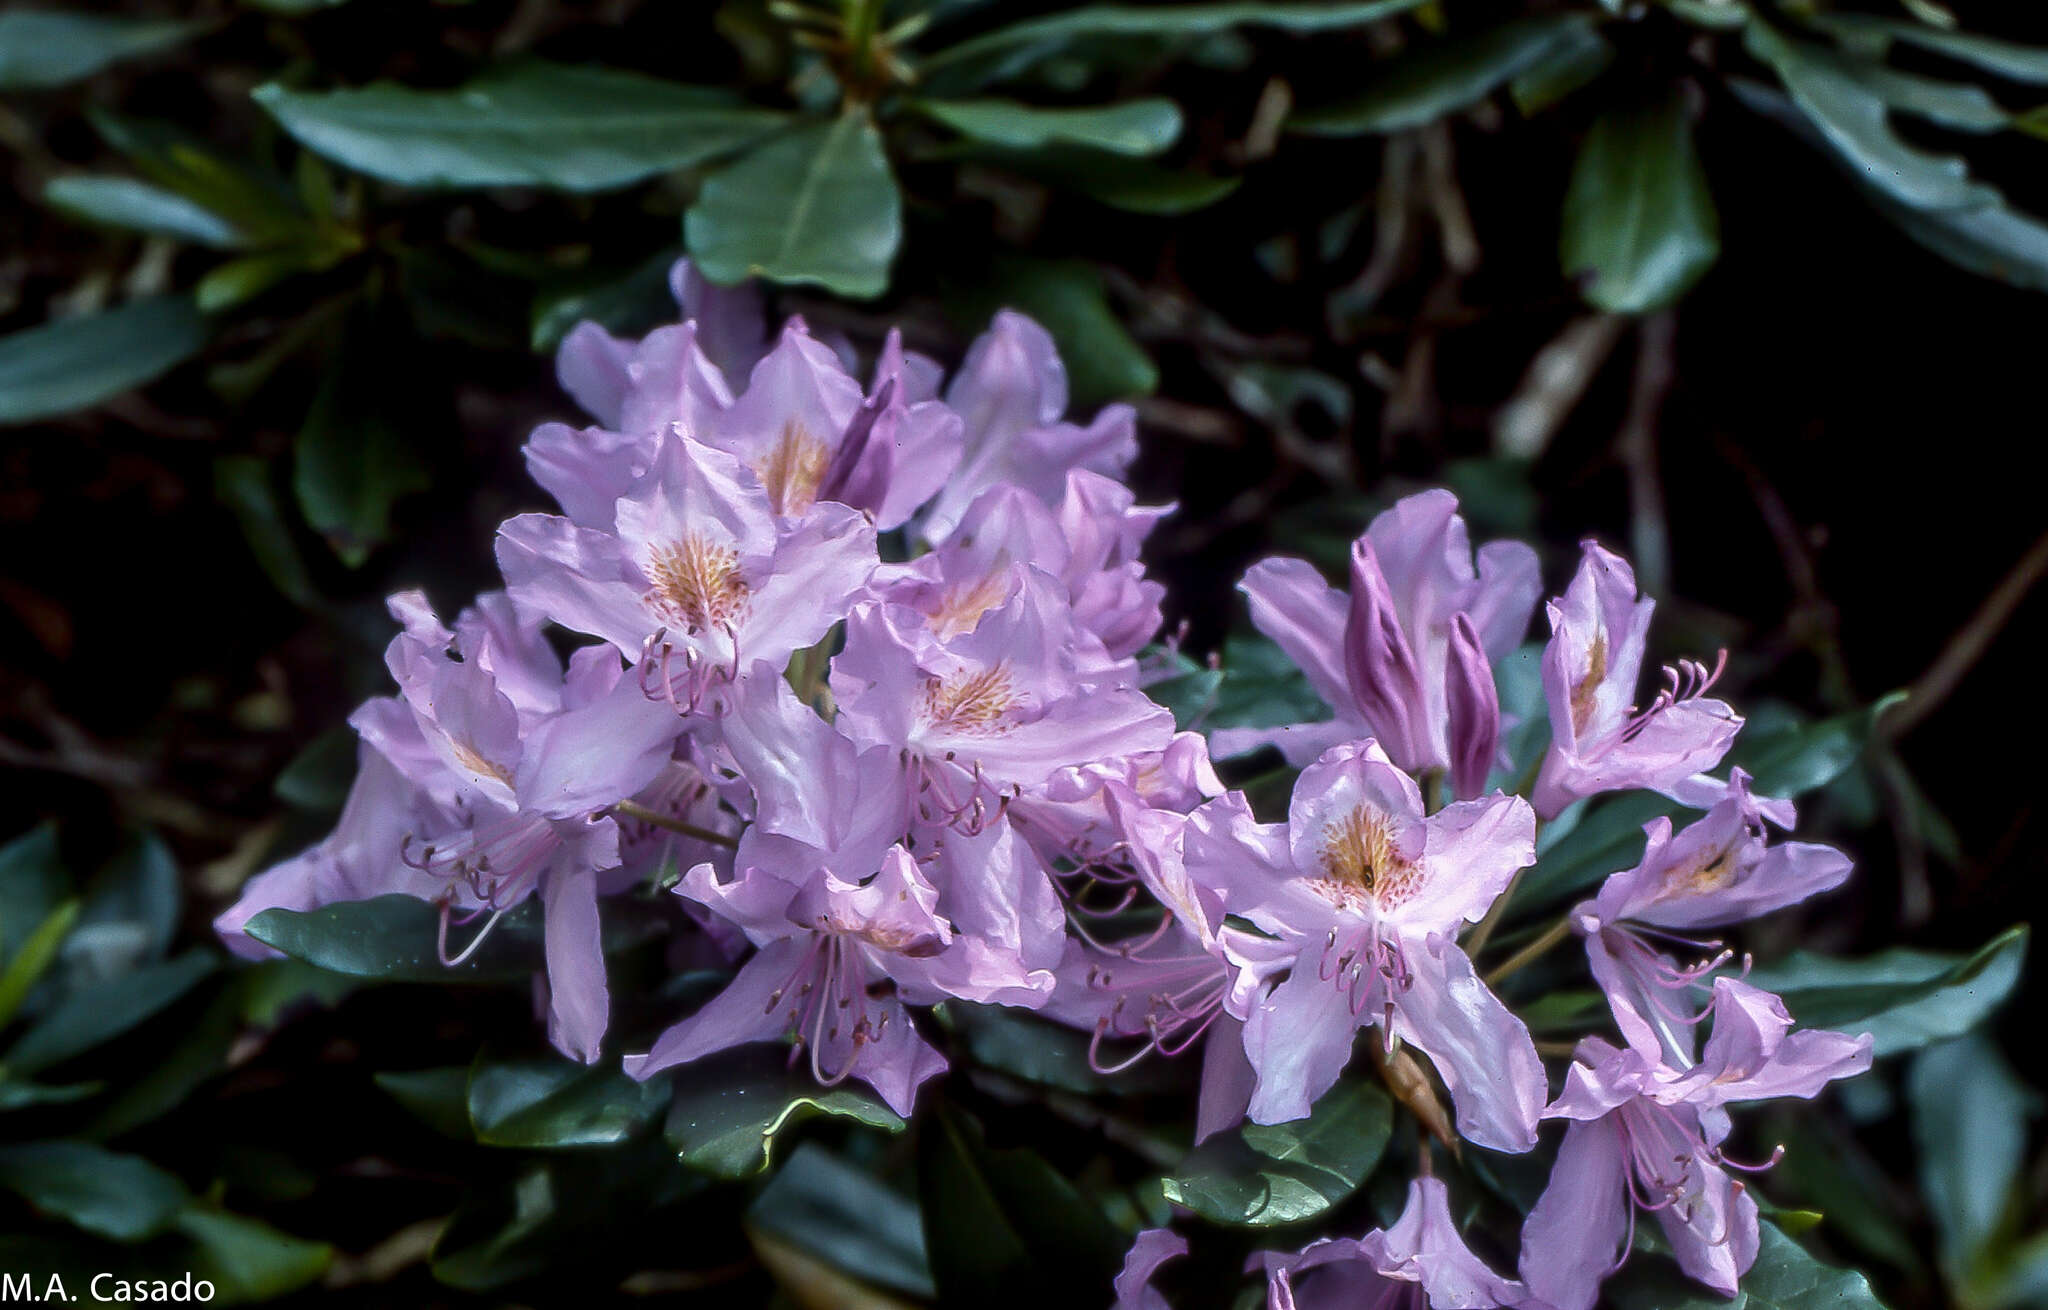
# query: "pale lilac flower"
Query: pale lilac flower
1421,1261
1151,1249
1646,1136
700,578
1368,894
1011,394
1406,658
1715,872
836,960
1600,741
1067,818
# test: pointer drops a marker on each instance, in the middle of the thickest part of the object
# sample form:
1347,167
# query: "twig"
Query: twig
629,810
1969,643
1656,370
1556,933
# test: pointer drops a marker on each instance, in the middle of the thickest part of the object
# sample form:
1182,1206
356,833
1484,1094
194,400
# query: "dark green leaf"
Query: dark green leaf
1970,1113
1020,1043
1167,20
1904,998
1267,1174
560,1215
1607,840
1826,1168
629,301
242,482
1872,35
32,885
550,1103
247,1260
527,123
1574,62
353,461
440,1097
121,1197
393,937
1131,127
1849,115
248,277
1424,83
75,363
818,205
20,1095
1638,217
1137,186
46,48
89,1015
135,206
201,1052
132,909
848,1218
1262,688
1809,757
1002,1227
319,777
729,1109
1995,241
1955,105
1785,1277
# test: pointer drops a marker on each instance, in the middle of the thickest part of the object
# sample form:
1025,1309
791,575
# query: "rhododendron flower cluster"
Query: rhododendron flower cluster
857,668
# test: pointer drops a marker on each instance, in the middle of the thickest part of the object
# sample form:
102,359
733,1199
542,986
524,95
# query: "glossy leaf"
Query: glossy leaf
1850,117
1002,1226
1130,127
1970,1113
818,205
848,1218
729,1110
1784,1277
121,1197
1261,688
527,123
1267,1174
75,363
550,1103
1904,998
1166,20
354,461
1873,35
1639,220
136,206
1809,757
393,937
43,48
1424,83
98,1012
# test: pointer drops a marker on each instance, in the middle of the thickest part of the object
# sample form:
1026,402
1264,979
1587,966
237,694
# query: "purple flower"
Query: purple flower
835,961
1600,741
1421,1260
1010,394
1406,658
1717,871
1367,894
1152,1248
699,579
1646,1136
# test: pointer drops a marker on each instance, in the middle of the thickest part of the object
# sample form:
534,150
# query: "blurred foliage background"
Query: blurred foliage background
1751,290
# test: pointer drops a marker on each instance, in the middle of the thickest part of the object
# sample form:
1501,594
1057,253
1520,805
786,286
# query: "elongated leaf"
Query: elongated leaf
550,1103
122,1197
1904,998
248,1260
242,483
76,363
1135,186
353,461
26,966
1955,105
1638,216
1849,115
1970,1113
1002,1227
393,937
818,205
16,1095
137,206
1809,757
1996,241
132,910
1873,35
32,885
439,1097
1169,20
45,48
1133,127
1827,1169
90,1015
527,123
1266,1174
729,1110
848,1218
1423,84
1784,1277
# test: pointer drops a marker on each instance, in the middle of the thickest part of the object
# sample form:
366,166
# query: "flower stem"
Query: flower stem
1556,933
628,810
